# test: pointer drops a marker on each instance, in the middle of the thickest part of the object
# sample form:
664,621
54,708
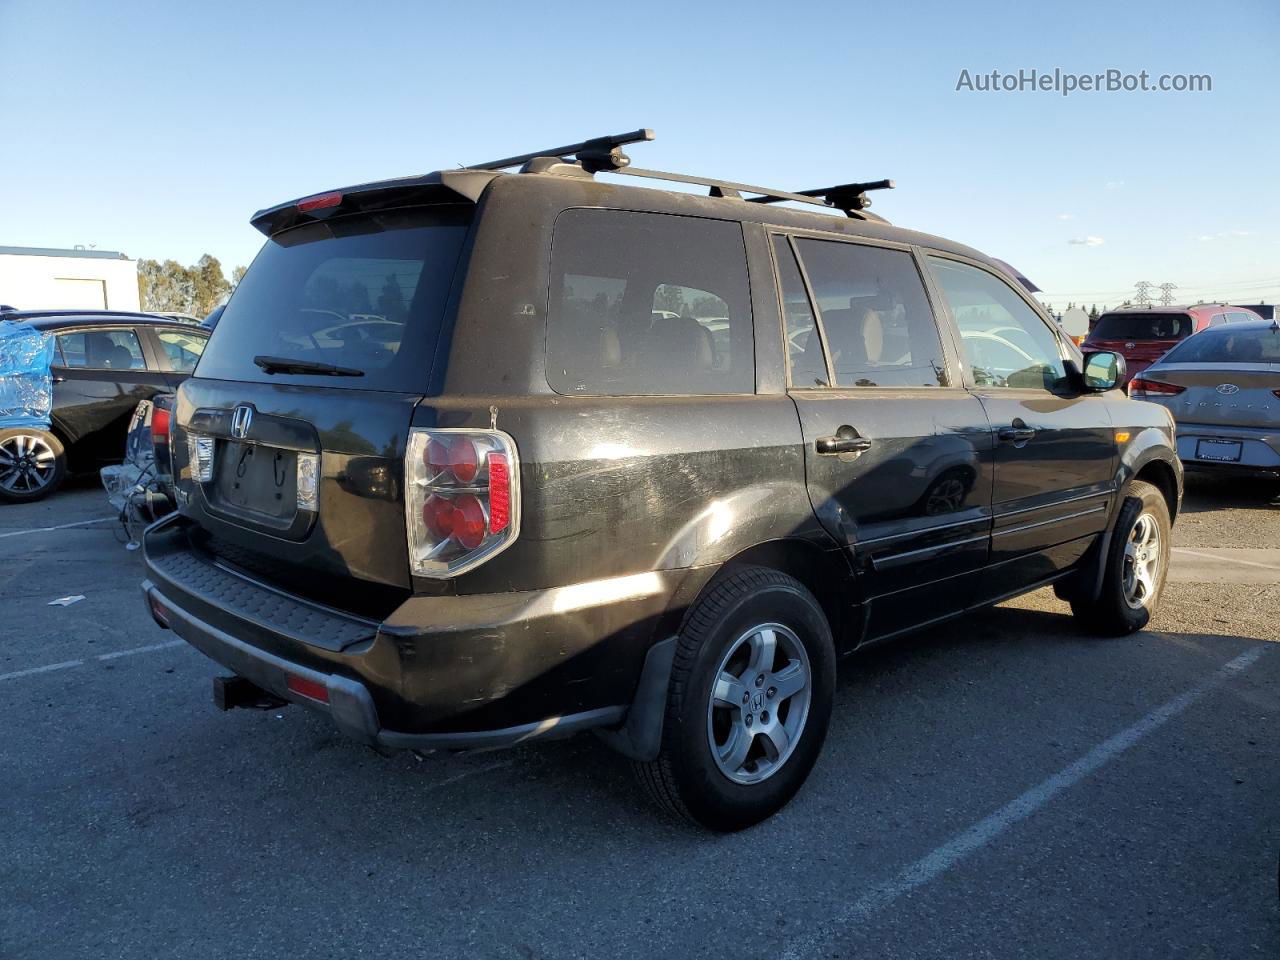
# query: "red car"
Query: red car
1145,334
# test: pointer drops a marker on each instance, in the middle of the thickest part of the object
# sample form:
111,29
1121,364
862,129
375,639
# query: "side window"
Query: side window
1004,340
181,349
804,345
102,350
1238,317
646,304
1218,319
879,328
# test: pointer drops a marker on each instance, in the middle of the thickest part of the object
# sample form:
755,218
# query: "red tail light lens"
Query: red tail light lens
468,521
159,426
437,513
463,460
462,499
1139,387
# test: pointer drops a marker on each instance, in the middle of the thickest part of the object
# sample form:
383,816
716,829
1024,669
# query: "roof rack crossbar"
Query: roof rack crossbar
725,188
599,153
849,197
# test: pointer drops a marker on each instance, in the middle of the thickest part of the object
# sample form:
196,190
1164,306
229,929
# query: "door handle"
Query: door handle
58,379
834,446
1017,434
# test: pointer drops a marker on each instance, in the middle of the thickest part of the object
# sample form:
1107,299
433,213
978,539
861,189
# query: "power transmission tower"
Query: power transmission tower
1166,293
1144,291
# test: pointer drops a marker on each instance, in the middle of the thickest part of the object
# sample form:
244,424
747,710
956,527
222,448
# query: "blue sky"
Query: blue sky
158,128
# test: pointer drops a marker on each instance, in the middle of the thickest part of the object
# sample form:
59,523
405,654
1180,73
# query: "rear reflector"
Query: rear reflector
1139,387
499,492
309,689
158,612
321,201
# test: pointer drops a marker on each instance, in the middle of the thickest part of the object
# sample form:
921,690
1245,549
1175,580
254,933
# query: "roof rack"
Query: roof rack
599,153
604,155
848,197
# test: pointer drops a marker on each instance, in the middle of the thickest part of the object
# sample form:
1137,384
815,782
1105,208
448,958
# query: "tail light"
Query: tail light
1276,392
160,436
1140,387
462,499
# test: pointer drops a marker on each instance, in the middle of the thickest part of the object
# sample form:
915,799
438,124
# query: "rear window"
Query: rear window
1227,345
1142,326
646,304
365,292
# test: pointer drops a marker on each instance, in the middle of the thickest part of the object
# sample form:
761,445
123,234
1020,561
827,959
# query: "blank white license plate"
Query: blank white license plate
1227,450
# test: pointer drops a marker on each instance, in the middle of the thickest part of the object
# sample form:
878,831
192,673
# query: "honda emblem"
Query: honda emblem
241,418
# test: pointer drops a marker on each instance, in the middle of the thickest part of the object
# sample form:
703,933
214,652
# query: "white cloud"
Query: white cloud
1066,216
1206,238
1086,241
1114,184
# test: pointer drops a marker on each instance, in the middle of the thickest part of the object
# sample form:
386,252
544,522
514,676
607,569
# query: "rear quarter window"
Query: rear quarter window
645,304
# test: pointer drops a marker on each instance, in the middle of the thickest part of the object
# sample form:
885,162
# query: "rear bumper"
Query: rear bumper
447,672
1259,448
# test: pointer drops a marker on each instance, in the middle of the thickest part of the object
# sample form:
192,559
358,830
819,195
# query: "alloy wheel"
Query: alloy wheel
759,703
1141,562
27,463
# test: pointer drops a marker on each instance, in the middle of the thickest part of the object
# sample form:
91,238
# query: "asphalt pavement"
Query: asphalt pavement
1005,786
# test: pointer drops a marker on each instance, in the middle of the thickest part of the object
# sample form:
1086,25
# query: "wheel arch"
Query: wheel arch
1161,475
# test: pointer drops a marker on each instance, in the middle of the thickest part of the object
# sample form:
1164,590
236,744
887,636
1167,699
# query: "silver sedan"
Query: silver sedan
1223,388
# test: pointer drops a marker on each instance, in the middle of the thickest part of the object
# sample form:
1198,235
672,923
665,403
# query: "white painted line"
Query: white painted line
470,773
985,831
60,526
1226,557
48,668
147,649
67,664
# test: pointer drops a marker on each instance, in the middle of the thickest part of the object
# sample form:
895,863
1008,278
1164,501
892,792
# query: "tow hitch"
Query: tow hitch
235,691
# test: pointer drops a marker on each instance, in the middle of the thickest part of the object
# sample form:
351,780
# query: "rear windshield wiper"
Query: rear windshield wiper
285,365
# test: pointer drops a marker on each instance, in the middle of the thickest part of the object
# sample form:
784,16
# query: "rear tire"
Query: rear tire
33,464
748,703
1137,563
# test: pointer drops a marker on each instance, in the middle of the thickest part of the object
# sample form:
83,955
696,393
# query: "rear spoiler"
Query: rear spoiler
380,195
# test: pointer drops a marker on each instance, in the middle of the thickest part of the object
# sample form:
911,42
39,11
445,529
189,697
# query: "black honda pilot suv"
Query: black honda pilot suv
479,457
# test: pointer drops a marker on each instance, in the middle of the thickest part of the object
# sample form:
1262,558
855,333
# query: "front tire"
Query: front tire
1137,564
33,464
748,704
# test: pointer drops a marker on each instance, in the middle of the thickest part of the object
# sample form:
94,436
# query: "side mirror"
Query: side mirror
1103,371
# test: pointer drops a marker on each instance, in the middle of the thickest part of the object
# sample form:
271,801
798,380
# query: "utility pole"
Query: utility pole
1144,292
1166,293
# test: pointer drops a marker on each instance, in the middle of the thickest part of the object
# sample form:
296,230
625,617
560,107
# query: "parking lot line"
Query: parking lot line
68,664
1222,555
985,831
147,649
60,526
47,668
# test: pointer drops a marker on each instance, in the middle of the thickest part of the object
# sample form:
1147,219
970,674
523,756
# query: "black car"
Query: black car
475,458
103,365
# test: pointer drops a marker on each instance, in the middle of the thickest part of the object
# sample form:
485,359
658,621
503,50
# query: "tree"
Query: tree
169,287
211,287
237,275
